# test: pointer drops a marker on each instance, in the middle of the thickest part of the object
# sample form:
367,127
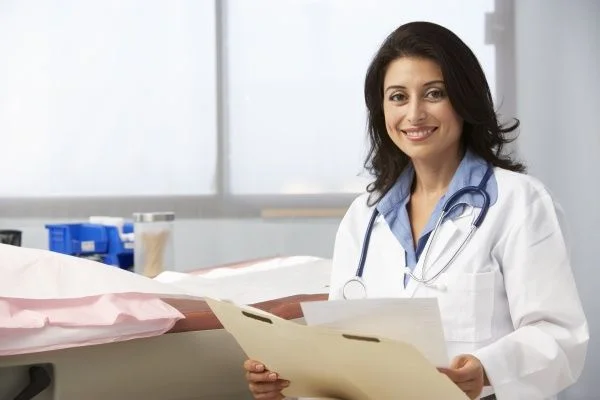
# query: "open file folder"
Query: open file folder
327,363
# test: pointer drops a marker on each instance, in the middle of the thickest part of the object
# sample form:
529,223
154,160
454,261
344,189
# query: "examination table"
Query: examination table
196,359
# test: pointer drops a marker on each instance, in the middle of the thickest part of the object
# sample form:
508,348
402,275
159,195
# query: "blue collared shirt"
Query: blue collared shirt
393,206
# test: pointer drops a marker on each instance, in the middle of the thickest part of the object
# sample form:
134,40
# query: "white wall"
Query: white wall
558,82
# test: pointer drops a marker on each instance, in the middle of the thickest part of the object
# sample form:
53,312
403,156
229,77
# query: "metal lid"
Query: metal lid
154,216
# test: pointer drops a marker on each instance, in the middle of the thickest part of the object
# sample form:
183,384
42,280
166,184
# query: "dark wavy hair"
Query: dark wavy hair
468,92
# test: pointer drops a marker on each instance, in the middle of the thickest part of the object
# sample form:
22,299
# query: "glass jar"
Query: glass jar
154,243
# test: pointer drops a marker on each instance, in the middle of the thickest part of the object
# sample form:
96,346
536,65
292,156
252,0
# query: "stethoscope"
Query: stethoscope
355,287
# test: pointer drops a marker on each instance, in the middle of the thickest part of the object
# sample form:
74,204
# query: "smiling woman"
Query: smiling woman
427,88
435,143
418,114
422,123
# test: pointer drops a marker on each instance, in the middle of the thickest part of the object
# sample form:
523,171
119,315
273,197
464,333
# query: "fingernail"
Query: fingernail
272,376
259,367
285,384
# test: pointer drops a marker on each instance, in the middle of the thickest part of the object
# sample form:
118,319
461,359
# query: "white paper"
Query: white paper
41,274
170,276
261,266
414,320
268,281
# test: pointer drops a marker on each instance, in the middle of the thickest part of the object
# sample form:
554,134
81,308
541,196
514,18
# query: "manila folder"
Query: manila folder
327,363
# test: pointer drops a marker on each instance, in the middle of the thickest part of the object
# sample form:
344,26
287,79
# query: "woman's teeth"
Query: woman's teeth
419,134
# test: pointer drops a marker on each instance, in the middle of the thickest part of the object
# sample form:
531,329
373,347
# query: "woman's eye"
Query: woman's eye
397,97
436,94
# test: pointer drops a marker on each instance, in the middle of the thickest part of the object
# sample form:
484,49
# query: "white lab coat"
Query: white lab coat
509,298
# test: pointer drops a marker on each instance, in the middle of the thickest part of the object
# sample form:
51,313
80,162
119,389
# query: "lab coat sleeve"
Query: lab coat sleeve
546,351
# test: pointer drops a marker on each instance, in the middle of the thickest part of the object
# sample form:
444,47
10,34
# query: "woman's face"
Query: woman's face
418,115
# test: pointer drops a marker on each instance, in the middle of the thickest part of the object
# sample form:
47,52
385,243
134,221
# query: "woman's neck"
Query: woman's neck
433,178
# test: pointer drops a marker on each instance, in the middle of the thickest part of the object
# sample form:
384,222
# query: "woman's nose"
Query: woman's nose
416,112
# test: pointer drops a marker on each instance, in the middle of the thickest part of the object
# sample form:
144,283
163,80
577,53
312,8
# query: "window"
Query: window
107,98
204,107
295,74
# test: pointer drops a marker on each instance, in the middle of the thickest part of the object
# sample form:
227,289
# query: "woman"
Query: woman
513,322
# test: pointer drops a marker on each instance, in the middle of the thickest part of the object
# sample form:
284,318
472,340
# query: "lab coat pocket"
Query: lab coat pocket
467,306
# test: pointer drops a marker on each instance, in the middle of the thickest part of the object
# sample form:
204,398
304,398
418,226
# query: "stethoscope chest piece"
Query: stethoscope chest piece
354,289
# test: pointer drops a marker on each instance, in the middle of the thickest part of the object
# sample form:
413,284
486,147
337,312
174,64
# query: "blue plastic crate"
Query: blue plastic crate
123,260
77,238
119,252
128,227
115,244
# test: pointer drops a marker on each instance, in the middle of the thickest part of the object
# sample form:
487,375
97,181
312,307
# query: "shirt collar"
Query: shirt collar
470,171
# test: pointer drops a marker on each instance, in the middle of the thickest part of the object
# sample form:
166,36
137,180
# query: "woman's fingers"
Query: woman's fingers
261,376
269,396
470,388
254,366
263,387
264,384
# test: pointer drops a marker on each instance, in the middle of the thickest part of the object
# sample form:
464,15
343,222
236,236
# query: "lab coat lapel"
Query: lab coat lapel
386,253
446,242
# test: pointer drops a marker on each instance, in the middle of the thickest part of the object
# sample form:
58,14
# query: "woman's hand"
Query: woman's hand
264,384
467,372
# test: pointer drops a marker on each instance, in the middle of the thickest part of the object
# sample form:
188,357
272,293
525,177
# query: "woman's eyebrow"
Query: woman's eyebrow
426,84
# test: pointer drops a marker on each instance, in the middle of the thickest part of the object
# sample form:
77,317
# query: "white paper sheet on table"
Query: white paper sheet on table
265,281
40,274
416,321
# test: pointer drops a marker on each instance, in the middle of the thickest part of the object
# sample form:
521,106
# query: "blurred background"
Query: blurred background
246,119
